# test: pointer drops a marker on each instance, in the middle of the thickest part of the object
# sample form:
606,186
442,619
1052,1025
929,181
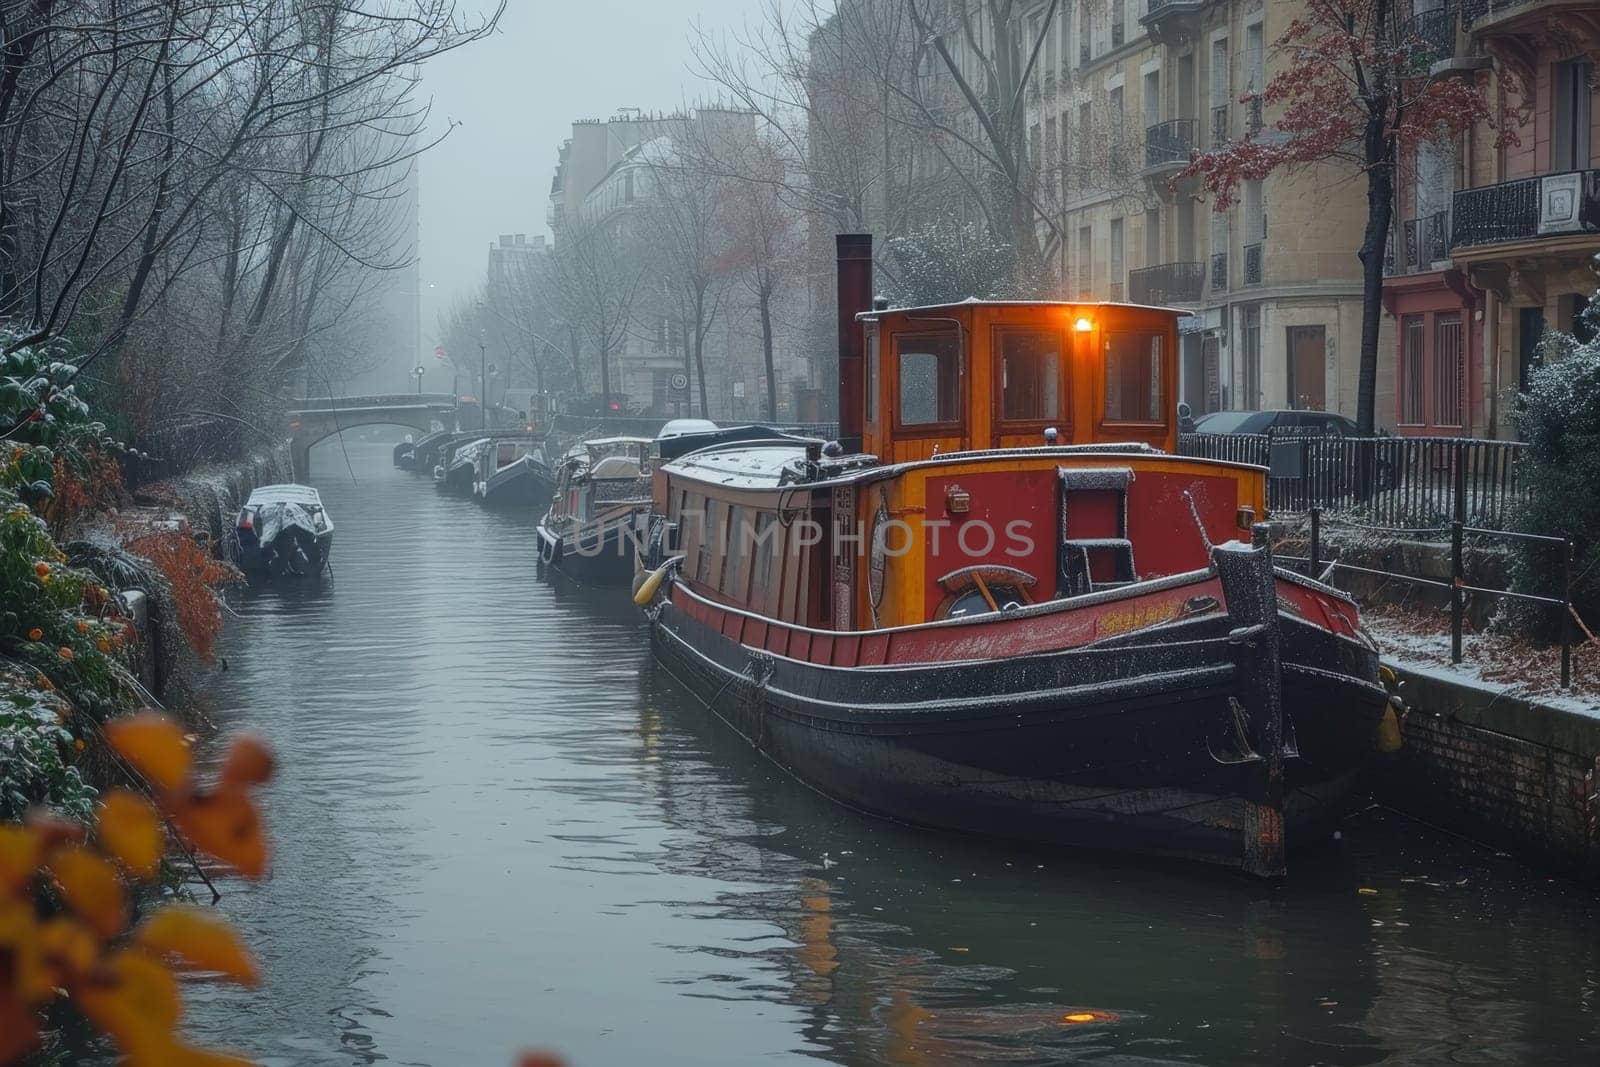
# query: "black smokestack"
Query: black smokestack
855,295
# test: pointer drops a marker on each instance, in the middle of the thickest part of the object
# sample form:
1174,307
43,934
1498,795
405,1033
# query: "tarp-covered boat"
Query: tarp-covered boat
284,531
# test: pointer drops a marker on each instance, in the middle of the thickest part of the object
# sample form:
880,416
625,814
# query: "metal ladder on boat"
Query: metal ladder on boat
1094,525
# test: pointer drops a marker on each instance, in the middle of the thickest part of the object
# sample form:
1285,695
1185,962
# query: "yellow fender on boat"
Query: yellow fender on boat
1389,740
645,583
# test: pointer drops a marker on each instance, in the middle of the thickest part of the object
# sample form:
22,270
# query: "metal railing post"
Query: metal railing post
1457,567
1566,613
1316,543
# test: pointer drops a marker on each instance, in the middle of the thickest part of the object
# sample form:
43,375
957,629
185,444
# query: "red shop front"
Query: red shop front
1438,353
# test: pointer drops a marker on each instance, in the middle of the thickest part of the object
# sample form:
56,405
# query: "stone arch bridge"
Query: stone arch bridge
312,420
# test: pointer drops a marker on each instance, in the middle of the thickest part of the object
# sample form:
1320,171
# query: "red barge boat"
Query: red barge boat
1001,605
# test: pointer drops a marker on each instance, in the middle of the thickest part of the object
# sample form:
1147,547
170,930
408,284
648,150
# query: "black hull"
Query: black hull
1119,747
294,553
601,555
458,479
525,487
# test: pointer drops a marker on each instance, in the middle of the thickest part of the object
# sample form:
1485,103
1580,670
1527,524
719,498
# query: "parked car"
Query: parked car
1281,421
1287,426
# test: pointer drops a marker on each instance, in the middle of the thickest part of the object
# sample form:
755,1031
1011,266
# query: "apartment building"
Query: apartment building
1127,90
1495,236
607,175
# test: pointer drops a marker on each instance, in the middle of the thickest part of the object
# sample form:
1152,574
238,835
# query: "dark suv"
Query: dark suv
1285,426
1282,421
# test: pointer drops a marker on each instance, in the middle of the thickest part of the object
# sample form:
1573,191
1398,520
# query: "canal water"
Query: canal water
497,827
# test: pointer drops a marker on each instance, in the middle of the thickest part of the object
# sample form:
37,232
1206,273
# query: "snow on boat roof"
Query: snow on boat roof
746,465
278,494
867,316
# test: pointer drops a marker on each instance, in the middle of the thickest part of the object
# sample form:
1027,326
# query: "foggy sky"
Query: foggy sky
515,96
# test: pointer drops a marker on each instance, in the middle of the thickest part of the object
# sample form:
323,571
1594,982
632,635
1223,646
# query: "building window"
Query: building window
1220,94
1030,375
1119,22
1085,267
1412,353
1117,266
1250,356
930,379
1449,371
1569,140
1133,377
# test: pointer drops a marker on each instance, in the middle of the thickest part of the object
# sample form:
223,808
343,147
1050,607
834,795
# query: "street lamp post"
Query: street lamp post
419,372
483,382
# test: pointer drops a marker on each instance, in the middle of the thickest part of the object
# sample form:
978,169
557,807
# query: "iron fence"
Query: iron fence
177,447
1325,570
1402,481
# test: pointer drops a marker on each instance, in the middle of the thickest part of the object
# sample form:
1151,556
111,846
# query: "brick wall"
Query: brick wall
1514,774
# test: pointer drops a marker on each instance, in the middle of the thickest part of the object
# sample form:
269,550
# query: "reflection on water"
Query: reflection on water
497,826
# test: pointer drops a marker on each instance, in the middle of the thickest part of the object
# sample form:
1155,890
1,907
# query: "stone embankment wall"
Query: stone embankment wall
208,499
1518,773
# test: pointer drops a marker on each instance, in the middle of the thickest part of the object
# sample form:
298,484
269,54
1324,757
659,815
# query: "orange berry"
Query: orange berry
64,652
35,633
103,645
78,744
83,626
41,568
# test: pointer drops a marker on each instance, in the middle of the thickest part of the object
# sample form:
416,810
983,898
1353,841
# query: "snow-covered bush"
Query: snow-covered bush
1559,417
950,262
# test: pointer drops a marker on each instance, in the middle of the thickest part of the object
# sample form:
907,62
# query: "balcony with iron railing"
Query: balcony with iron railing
1167,283
1169,145
1527,209
1434,30
1173,20
1491,16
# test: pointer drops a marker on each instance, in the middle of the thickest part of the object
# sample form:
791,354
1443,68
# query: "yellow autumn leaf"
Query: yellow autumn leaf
155,745
134,999
249,762
226,825
91,887
24,975
130,830
68,949
19,857
201,939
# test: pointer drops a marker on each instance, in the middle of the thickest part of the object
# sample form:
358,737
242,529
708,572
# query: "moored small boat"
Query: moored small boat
458,463
284,531
513,472
1002,606
591,532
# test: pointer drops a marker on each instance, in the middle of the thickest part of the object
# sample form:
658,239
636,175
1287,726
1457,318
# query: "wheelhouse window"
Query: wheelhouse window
1133,378
928,366
1029,378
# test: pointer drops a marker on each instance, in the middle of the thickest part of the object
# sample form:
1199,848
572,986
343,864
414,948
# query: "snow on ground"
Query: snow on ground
1515,666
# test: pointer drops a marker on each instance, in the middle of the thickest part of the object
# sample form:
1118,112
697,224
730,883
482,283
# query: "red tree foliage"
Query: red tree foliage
195,577
1354,86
